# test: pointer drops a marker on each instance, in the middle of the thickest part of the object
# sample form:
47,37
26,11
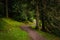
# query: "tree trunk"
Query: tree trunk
43,14
37,16
43,22
7,8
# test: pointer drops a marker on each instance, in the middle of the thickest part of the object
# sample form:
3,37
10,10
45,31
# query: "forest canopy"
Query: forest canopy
47,11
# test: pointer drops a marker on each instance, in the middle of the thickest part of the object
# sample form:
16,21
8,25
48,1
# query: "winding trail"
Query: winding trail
32,33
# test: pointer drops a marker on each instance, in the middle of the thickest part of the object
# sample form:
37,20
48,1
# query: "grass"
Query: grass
9,30
48,36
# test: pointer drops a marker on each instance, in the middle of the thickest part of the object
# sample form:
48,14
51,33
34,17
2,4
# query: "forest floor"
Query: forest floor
34,35
13,30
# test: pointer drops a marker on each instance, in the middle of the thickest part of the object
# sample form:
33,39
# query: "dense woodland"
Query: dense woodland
46,11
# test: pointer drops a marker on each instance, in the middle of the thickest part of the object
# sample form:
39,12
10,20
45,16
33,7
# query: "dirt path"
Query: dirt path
32,33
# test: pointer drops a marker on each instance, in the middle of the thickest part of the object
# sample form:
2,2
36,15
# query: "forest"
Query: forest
29,19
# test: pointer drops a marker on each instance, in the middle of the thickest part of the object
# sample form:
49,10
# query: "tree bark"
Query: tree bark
43,14
7,8
37,15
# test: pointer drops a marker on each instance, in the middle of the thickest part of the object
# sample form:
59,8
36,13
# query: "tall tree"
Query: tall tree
37,14
1,8
7,8
43,3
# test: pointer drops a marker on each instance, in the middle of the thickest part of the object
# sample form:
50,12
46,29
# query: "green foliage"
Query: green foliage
1,24
22,11
11,30
48,36
51,16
